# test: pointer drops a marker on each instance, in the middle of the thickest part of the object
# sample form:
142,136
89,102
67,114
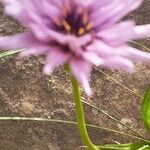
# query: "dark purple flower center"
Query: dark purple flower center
74,21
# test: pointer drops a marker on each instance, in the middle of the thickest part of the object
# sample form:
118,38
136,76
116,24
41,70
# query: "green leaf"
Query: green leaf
128,146
145,112
9,53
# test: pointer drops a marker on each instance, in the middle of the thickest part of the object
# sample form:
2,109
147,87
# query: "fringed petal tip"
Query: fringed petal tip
54,59
81,71
142,31
88,92
85,83
136,55
47,70
119,63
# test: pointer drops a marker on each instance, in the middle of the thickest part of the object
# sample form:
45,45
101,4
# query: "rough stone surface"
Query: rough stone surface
25,91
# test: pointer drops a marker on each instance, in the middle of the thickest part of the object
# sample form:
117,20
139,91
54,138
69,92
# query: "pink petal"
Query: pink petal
92,58
119,63
12,7
55,58
34,51
142,31
85,39
136,55
81,71
42,35
57,3
19,41
114,11
74,44
100,4
102,49
45,33
40,8
16,9
129,6
54,11
118,33
85,3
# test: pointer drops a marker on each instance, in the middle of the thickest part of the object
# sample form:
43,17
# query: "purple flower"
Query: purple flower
77,32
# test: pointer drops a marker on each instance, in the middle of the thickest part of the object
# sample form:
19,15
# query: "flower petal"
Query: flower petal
104,50
12,7
92,58
54,11
134,54
33,51
55,58
81,71
118,34
19,41
114,11
85,3
57,3
142,31
119,63
99,4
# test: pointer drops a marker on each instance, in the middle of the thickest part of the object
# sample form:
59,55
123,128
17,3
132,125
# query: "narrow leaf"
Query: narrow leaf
9,53
145,112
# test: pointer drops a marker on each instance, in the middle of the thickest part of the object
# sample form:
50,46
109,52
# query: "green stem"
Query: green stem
80,116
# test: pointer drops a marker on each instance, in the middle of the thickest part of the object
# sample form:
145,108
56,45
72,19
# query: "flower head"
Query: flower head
77,32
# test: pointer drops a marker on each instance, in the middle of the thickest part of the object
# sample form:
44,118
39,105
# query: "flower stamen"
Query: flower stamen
81,31
74,21
89,26
66,26
57,22
66,9
85,17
